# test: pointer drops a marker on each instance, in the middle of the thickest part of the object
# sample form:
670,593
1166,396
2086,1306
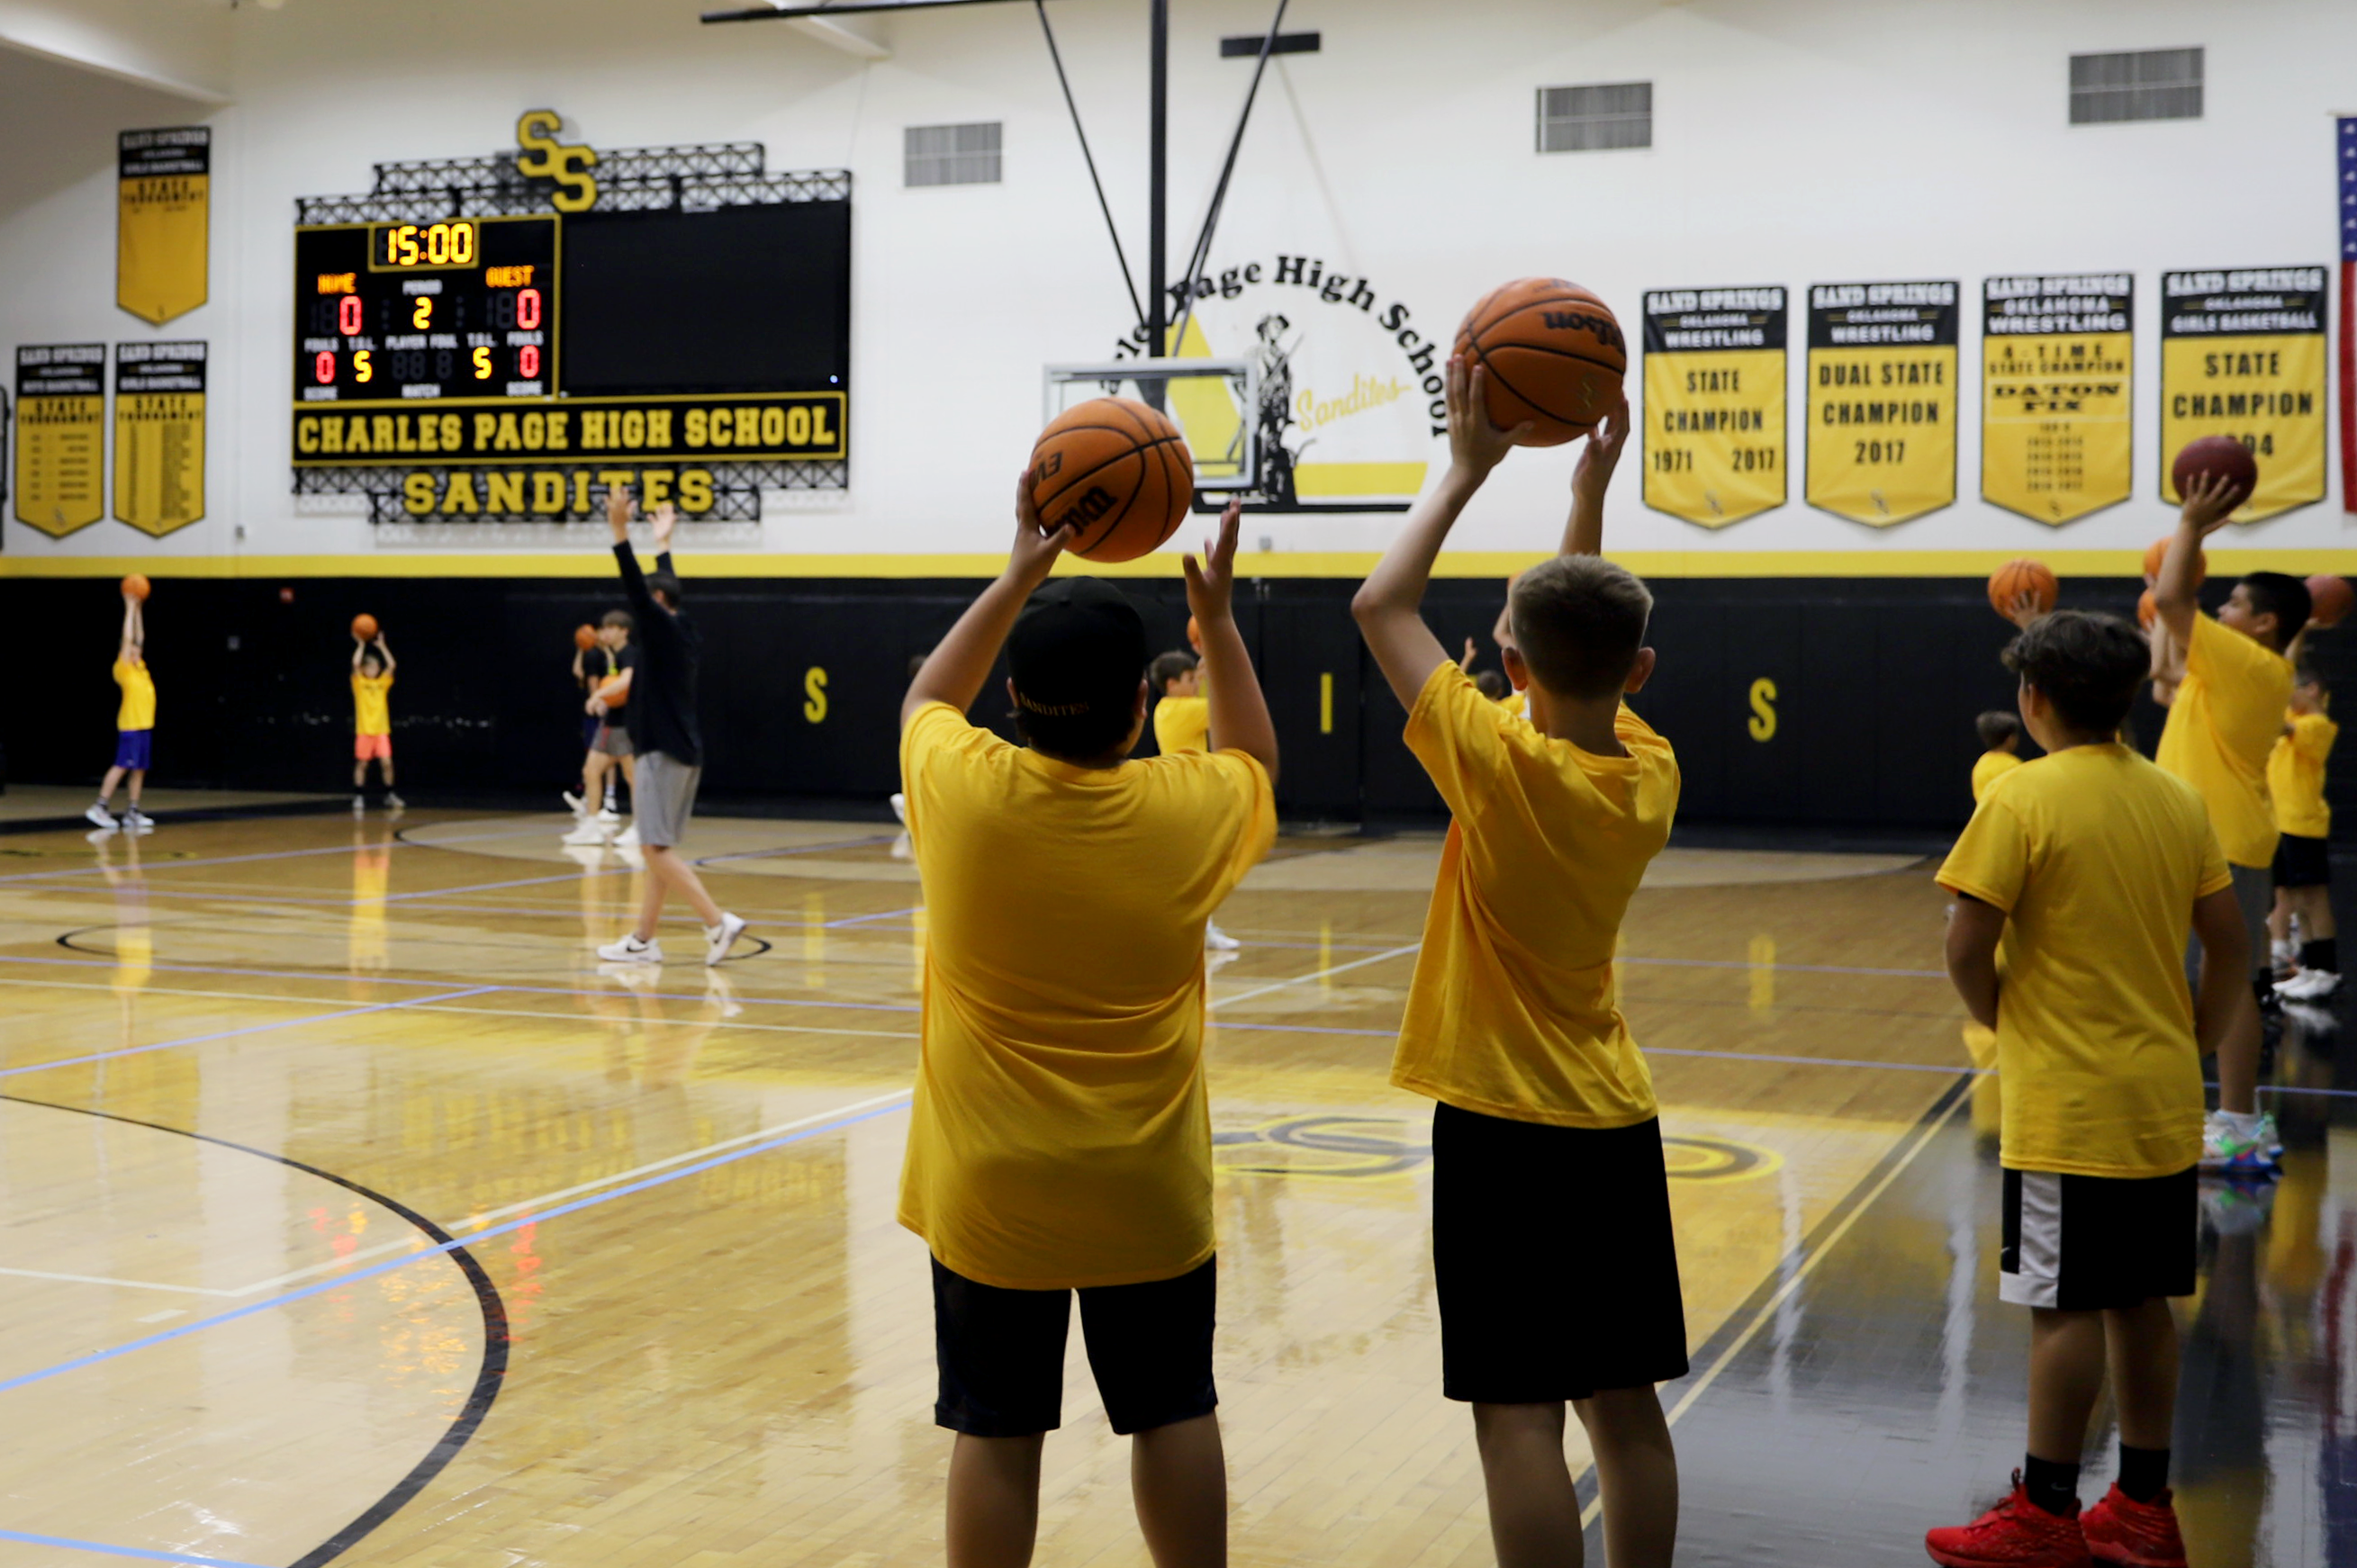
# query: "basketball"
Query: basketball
2152,559
1555,353
2146,611
1194,635
2220,455
135,586
614,694
1117,472
2017,577
364,627
585,637
2330,598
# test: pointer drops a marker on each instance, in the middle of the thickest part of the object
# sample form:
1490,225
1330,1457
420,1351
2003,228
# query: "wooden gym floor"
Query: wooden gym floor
349,1211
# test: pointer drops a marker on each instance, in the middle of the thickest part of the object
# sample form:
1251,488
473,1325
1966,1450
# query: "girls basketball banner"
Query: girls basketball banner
2058,415
2242,354
162,220
1713,406
61,435
1882,399
159,435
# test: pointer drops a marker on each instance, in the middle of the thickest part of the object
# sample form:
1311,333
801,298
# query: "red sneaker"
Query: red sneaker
2131,1534
2017,1533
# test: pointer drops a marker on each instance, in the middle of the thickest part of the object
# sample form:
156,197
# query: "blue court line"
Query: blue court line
94,870
861,919
234,1033
792,849
343,1281
71,1544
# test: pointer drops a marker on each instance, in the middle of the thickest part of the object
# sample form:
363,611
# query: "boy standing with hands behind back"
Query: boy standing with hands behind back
1513,1023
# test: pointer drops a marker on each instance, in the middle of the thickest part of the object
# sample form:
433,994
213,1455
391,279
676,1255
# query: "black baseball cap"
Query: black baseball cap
1078,649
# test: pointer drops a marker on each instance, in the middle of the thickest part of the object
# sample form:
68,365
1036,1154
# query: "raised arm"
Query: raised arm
1599,454
1239,710
131,638
360,651
666,519
384,650
2209,500
1389,605
634,580
954,673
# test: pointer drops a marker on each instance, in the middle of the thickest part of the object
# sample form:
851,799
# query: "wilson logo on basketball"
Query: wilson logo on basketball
1603,329
1094,503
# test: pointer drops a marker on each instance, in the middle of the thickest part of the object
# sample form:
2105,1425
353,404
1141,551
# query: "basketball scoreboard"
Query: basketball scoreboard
455,310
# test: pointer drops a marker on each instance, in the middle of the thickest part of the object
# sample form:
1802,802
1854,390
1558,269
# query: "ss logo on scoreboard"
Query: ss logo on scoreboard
545,157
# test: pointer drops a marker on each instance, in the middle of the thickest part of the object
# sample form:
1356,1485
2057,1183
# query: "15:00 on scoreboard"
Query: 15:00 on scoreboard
398,312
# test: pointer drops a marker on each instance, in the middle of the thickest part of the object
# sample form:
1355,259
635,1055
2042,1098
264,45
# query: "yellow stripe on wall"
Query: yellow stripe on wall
1350,565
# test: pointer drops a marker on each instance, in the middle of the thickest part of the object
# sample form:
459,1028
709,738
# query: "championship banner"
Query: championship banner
2058,418
1882,399
2242,354
162,218
60,437
159,435
2346,142
1713,438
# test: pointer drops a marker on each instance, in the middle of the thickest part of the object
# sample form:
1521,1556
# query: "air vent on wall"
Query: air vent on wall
2143,84
1595,118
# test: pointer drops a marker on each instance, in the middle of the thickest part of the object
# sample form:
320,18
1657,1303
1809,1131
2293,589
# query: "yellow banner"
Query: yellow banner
163,205
60,437
1714,407
1882,399
2058,419
2242,354
159,435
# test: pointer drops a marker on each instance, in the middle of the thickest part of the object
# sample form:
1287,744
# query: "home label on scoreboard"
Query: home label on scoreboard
395,312
1713,441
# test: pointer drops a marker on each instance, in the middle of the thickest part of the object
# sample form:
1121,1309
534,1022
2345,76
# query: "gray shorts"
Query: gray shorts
613,740
2254,895
664,799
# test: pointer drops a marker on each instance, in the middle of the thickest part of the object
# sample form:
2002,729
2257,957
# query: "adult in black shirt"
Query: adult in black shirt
660,718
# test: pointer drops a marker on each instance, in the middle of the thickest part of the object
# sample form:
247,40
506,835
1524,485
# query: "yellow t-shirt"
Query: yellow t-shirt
2226,719
1183,724
2296,775
1992,767
1060,1137
1516,703
371,708
138,708
2098,857
1514,1010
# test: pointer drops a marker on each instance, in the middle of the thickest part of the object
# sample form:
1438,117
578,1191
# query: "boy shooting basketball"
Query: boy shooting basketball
2076,886
372,666
1514,1024
134,724
1060,1141
605,700
2222,724
667,741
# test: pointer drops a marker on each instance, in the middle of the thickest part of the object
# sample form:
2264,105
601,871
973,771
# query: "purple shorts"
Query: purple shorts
132,748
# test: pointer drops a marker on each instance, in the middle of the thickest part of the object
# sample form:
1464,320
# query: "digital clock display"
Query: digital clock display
399,312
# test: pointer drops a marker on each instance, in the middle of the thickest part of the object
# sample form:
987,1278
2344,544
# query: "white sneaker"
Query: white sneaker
585,832
139,821
575,803
2267,1138
630,950
900,808
359,804
2308,984
607,815
2227,1152
2286,953
1217,940
628,839
393,802
719,939
100,815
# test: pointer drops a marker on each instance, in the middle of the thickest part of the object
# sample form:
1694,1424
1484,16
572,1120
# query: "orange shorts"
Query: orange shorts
365,747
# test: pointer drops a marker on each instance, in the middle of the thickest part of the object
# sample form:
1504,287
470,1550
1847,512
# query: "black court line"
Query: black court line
1715,1350
488,1378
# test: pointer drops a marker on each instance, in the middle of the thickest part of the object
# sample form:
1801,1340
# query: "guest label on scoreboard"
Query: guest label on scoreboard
2242,354
2057,404
162,220
60,437
159,435
1882,399
1714,406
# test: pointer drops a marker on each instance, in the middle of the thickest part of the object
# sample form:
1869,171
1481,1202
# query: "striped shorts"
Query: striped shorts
2080,1243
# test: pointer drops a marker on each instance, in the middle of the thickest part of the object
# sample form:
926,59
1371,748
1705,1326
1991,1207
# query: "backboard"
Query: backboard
1214,403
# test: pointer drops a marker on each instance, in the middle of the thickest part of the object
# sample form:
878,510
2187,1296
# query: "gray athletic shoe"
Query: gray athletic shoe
100,816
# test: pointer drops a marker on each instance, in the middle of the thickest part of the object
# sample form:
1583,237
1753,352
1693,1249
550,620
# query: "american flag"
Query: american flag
2348,149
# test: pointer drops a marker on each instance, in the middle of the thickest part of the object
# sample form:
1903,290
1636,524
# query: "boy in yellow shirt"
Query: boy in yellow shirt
2076,887
1061,1139
2222,724
134,726
372,719
2000,736
2303,861
1182,715
1513,1023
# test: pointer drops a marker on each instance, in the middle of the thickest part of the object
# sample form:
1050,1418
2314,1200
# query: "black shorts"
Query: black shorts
1556,1265
1001,1352
2080,1243
2303,862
